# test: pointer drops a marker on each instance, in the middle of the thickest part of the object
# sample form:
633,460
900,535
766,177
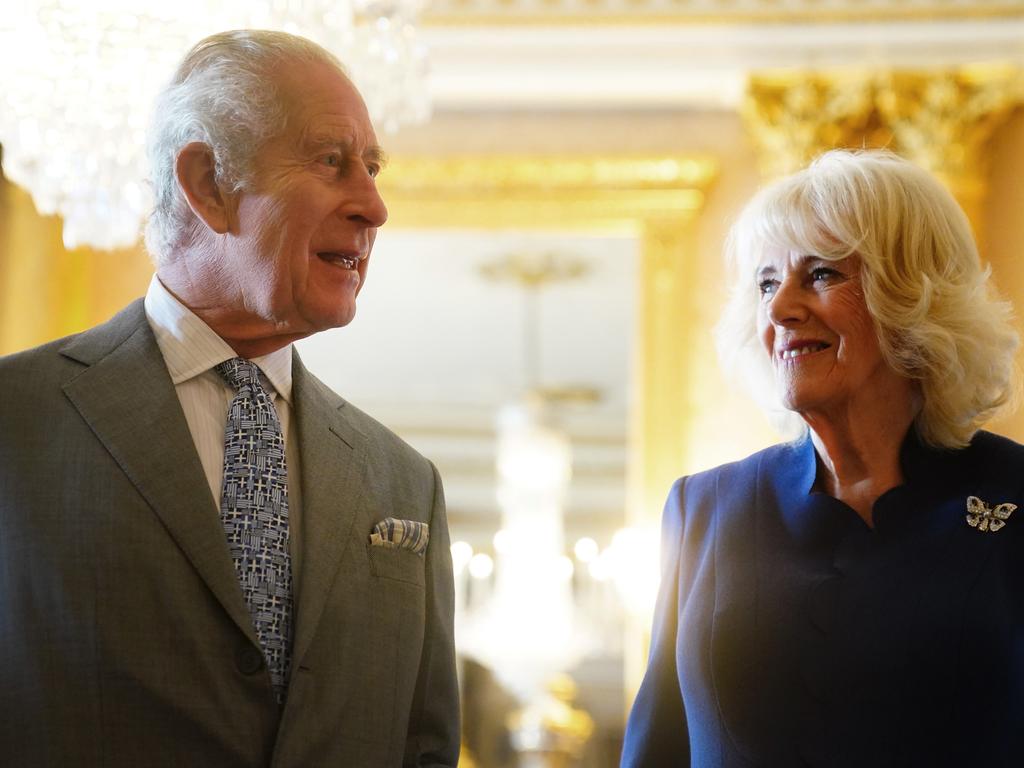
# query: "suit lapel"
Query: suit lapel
127,398
332,493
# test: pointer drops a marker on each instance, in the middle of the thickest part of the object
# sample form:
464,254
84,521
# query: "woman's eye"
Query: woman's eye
822,273
766,287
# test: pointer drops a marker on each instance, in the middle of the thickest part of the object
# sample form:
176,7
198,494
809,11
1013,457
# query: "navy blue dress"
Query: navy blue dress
789,633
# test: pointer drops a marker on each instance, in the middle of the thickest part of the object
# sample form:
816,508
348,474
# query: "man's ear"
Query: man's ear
196,174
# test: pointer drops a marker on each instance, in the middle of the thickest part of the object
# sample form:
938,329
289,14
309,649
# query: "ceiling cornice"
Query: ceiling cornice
709,12
645,66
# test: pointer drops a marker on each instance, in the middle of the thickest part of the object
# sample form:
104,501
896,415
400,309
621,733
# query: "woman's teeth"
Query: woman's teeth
789,354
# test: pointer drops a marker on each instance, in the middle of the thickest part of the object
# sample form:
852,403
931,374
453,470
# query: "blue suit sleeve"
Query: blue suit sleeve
656,734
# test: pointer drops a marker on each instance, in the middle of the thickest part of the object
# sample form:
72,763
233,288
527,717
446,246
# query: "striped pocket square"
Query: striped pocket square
401,534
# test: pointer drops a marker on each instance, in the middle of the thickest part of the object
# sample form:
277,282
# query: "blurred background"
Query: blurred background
539,314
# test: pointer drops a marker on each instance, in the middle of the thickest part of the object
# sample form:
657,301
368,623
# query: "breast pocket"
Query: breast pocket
397,564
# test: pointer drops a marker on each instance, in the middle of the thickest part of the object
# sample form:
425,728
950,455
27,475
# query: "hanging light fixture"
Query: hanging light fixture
78,81
525,631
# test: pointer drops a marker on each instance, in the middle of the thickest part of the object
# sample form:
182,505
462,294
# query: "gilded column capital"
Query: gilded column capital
792,117
943,120
940,119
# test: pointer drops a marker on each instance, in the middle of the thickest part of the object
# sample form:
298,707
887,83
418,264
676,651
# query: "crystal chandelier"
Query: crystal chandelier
533,611
78,81
525,630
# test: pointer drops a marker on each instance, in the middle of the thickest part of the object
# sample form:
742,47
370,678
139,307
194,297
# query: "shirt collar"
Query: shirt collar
190,347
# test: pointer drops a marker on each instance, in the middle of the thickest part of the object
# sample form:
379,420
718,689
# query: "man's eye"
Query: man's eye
332,160
373,169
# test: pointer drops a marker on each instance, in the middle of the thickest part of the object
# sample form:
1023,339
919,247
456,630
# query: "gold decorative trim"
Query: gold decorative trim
939,118
599,194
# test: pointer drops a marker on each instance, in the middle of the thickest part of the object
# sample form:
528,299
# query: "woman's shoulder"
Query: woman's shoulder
993,464
988,446
731,488
769,461
989,459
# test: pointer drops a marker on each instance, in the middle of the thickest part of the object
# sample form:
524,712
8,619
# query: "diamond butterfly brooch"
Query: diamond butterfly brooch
985,518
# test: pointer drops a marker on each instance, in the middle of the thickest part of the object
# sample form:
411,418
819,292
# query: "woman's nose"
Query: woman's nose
787,305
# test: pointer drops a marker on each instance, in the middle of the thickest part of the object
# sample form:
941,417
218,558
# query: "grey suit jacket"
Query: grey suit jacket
124,636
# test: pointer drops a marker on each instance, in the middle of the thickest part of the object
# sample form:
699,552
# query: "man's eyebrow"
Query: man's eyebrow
319,142
375,155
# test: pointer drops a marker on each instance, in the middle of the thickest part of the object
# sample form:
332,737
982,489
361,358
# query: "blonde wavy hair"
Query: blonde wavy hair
938,318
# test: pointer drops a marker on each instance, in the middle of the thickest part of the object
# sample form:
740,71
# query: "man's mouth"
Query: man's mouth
343,260
817,346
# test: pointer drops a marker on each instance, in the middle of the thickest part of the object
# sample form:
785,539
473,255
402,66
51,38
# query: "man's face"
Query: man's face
305,230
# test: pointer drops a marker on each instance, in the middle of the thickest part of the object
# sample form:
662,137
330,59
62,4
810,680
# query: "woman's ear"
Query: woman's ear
196,173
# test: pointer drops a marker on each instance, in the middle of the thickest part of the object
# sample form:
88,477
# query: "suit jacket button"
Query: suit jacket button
248,660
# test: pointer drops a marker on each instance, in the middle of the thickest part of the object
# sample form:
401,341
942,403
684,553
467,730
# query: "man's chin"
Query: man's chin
339,318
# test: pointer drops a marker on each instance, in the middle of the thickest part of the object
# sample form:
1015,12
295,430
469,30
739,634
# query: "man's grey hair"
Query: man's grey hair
225,95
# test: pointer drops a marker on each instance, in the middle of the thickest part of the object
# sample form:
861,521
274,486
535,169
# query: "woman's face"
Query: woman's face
815,326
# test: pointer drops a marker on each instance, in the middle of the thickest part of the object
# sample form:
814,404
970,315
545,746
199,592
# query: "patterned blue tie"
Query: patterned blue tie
254,510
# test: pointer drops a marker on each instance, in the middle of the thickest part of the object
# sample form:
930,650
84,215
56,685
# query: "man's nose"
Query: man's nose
367,205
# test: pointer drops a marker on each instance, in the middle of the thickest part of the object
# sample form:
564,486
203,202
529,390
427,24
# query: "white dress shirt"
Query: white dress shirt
191,350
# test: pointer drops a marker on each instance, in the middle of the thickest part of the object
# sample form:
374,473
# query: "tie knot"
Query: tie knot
239,372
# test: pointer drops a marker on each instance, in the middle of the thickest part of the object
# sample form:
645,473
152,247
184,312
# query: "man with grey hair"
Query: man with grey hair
207,558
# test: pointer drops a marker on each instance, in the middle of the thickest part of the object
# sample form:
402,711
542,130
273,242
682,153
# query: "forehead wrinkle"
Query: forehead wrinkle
319,138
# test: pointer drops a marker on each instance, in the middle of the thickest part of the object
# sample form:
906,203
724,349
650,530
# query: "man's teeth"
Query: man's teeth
349,262
789,354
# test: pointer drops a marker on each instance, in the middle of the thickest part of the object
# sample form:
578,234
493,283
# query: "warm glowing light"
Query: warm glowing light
585,550
524,630
634,571
564,568
481,566
462,553
600,567
502,541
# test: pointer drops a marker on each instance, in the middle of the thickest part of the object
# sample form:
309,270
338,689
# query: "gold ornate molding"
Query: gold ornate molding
943,121
939,119
599,194
792,117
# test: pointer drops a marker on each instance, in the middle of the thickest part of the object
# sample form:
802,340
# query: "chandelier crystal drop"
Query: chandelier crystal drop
78,81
